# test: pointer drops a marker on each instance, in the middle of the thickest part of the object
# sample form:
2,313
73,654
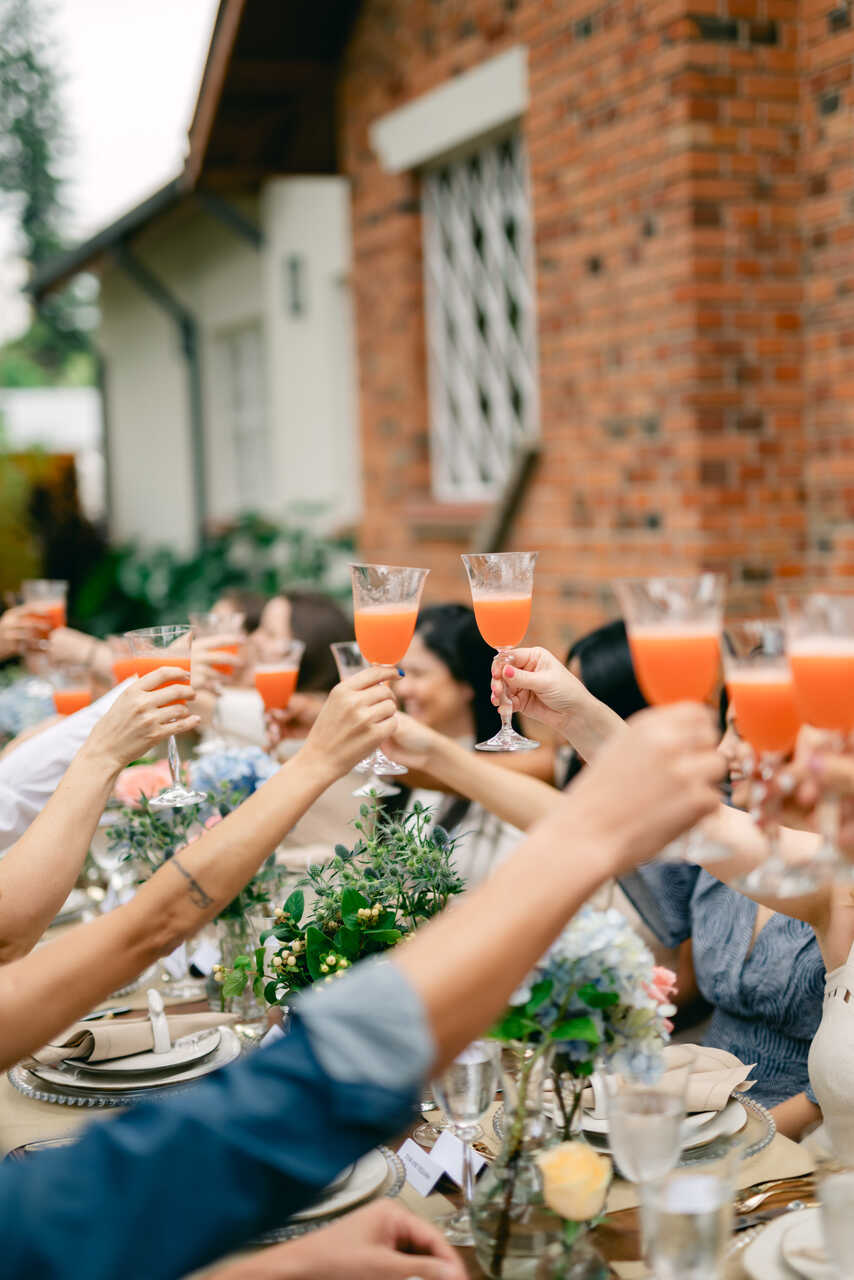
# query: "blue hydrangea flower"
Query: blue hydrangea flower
24,703
244,768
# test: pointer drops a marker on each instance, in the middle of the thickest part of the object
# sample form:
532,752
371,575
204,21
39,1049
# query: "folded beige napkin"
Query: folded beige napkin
714,1075
98,1041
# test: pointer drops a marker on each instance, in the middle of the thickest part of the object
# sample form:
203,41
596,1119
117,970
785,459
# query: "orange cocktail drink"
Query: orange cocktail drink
224,667
67,701
502,620
823,672
49,615
765,710
144,663
276,683
675,663
384,631
123,669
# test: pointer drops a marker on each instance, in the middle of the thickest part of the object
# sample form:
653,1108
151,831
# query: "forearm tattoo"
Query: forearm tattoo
197,894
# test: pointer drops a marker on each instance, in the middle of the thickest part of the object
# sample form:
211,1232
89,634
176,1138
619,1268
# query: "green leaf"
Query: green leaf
270,991
235,983
576,1029
352,902
598,999
258,985
242,962
295,905
347,942
316,946
512,1026
540,993
260,956
383,935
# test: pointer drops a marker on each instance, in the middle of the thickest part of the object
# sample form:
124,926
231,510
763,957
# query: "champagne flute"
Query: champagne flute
465,1091
276,682
502,585
385,609
674,627
820,646
229,626
348,659
762,692
154,648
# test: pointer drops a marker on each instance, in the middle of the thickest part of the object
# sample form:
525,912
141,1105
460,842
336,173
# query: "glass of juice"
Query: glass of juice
385,609
502,587
348,659
45,600
762,693
674,627
72,690
153,648
276,681
122,660
227,630
820,648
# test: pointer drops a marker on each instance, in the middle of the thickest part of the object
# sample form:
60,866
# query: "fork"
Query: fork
750,1203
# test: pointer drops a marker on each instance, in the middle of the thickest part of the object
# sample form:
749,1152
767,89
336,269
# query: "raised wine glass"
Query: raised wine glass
153,648
502,585
276,680
762,693
385,609
820,648
349,659
225,630
674,627
45,601
465,1091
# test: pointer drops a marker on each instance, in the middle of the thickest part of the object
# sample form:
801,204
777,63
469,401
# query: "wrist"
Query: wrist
99,761
317,766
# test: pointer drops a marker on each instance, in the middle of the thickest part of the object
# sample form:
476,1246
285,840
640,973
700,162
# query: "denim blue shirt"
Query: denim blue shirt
767,998
169,1187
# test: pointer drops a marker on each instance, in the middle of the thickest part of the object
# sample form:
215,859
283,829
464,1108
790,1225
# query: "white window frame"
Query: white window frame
246,419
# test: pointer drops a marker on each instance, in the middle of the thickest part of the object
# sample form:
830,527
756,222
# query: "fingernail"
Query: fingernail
509,672
400,671
816,764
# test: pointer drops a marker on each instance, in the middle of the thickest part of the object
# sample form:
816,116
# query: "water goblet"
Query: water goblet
385,609
348,659
820,648
686,1219
674,627
154,648
646,1122
465,1091
762,694
502,585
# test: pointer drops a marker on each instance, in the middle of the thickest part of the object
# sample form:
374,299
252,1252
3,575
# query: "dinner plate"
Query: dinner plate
725,1124
190,1048
366,1178
597,1124
802,1247
74,1080
762,1260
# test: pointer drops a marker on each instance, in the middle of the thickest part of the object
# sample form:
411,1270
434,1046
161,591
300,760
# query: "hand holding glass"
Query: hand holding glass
153,648
348,659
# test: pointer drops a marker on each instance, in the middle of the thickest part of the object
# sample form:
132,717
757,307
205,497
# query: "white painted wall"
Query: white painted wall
311,356
309,372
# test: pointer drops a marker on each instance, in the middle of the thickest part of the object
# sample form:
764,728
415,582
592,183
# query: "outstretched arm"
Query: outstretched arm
94,959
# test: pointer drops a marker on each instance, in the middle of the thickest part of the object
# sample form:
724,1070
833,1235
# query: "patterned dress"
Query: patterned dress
767,999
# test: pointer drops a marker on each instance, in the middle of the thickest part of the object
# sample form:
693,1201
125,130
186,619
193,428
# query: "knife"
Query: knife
746,1220
106,1013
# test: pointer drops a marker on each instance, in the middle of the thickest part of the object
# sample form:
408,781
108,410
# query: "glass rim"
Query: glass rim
370,564
498,555
175,629
671,577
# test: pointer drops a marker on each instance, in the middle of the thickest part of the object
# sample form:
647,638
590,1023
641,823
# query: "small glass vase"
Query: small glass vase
577,1261
238,936
511,1223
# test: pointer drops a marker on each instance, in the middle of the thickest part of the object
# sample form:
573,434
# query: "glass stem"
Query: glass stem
174,760
505,706
468,1172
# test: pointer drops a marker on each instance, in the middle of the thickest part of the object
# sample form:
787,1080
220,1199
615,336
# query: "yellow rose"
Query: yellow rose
575,1180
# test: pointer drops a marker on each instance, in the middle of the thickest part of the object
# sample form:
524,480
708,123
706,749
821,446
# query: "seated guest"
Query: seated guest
256,1142
97,958
446,685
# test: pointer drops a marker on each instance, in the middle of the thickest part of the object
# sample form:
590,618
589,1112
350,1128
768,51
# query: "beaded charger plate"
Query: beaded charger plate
758,1133
93,1094
379,1174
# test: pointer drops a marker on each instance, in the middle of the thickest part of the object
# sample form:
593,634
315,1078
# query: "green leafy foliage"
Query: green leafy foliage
367,899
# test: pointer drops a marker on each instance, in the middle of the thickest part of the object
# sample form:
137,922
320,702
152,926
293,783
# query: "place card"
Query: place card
447,1153
422,1172
175,963
205,956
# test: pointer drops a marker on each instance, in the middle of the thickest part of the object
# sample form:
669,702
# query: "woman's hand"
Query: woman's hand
214,665
295,720
358,715
538,685
413,743
67,647
18,631
145,714
381,1242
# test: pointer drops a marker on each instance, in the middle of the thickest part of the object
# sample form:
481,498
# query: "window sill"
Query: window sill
446,521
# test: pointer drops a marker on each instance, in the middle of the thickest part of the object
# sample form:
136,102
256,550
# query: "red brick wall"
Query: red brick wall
669,201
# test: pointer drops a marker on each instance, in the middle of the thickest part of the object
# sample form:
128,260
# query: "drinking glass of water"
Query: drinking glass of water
836,1197
686,1219
646,1120
465,1091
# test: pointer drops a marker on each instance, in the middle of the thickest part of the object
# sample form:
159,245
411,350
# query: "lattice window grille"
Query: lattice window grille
245,387
481,328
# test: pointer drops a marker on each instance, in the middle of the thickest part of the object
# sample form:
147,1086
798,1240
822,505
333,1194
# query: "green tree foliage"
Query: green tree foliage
33,143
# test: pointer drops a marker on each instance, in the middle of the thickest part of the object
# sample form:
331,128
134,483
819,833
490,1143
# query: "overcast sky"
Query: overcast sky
132,71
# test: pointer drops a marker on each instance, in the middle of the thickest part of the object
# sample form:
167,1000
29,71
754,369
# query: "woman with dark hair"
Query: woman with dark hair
446,686
315,619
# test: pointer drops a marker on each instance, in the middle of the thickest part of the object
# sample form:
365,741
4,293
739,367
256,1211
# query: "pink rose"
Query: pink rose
213,820
663,984
142,780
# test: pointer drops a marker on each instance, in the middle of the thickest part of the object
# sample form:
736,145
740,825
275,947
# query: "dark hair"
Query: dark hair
319,622
606,669
249,603
450,632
